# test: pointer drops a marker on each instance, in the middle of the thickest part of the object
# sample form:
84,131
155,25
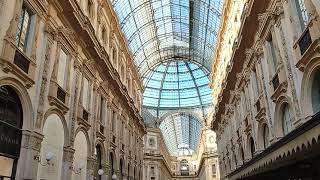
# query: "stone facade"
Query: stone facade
160,165
70,65
266,107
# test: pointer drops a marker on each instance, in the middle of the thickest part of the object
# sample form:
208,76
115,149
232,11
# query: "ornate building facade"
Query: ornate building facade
160,164
266,114
70,95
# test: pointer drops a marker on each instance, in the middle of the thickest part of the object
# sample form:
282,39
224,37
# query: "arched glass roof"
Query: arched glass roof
176,84
181,133
162,30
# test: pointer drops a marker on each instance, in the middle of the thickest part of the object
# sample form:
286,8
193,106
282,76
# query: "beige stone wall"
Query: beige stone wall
274,72
75,67
165,166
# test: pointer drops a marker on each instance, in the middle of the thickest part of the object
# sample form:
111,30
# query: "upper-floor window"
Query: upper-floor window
265,136
90,8
287,119
272,59
23,31
302,13
152,171
104,35
85,94
113,121
114,55
255,86
102,109
214,170
62,69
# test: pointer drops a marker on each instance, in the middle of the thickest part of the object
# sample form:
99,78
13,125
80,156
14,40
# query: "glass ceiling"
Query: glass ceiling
176,84
173,43
181,133
163,30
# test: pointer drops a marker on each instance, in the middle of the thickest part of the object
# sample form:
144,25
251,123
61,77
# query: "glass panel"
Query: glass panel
85,92
62,69
169,29
23,29
181,133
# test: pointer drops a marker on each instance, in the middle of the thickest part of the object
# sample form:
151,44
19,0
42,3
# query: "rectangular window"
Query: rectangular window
255,87
23,29
102,109
85,94
152,172
113,121
302,13
214,170
272,60
62,69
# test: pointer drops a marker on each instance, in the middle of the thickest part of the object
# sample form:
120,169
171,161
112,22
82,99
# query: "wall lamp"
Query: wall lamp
48,156
77,170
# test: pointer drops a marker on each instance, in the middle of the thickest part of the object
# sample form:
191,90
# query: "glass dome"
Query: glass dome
176,84
181,133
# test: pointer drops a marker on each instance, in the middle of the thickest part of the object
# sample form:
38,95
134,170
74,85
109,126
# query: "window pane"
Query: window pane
62,68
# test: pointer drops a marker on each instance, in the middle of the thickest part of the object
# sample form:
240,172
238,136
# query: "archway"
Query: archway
80,157
53,142
98,164
11,122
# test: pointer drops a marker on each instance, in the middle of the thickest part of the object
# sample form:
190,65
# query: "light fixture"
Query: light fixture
48,156
100,172
114,176
77,170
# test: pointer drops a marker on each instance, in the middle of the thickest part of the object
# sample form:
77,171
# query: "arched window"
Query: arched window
252,147
287,119
265,136
184,167
98,162
11,120
315,94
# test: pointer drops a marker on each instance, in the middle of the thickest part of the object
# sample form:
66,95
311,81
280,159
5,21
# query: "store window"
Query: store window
11,118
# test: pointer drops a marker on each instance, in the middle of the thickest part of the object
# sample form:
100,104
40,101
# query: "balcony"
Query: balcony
61,94
307,44
275,82
100,131
305,41
58,96
83,117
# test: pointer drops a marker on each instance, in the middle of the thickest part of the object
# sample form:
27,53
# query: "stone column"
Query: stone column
90,168
30,148
68,154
